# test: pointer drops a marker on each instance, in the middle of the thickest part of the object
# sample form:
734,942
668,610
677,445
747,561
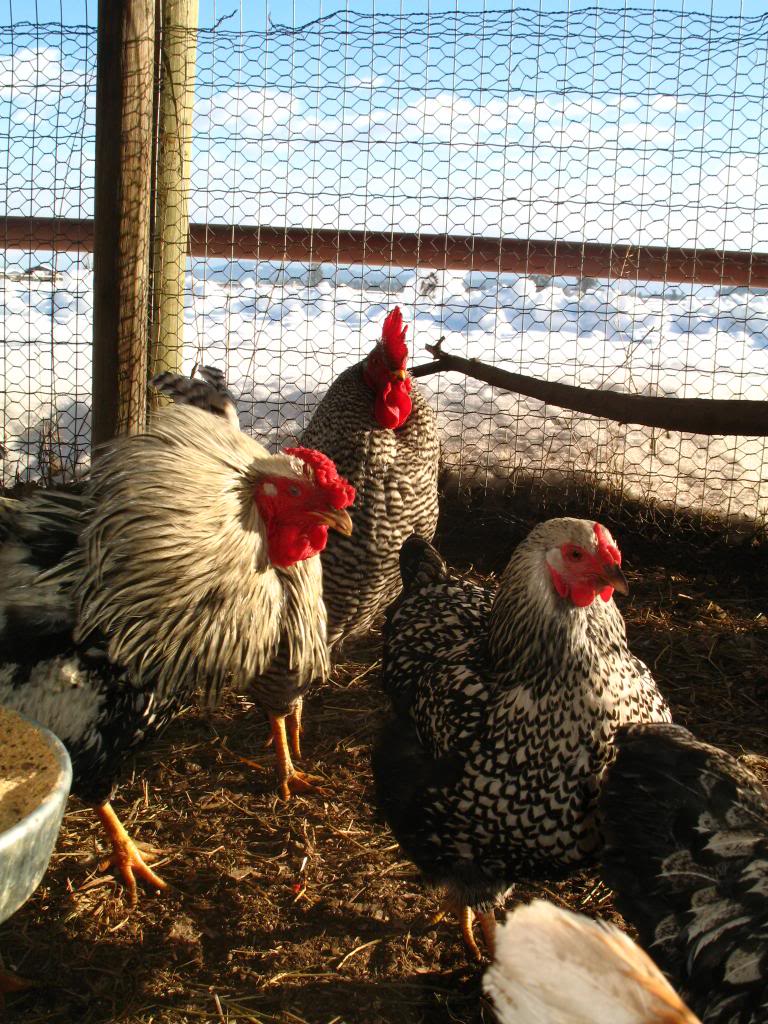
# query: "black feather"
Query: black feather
210,392
420,563
686,829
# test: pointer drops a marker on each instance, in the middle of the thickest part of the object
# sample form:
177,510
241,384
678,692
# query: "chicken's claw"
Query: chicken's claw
126,855
301,782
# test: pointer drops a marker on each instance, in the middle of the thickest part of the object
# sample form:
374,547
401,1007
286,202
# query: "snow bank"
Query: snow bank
284,331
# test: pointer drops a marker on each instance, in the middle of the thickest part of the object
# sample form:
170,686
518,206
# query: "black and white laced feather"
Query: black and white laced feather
394,473
508,705
686,852
209,391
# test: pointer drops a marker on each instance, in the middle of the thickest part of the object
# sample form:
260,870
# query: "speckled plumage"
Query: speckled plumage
502,785
686,852
117,607
394,473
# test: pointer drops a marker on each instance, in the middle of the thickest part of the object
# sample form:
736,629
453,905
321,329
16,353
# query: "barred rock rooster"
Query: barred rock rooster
686,829
381,433
191,562
552,966
506,705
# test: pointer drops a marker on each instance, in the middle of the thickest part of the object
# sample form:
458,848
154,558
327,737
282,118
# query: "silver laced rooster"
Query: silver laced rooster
686,830
379,430
507,706
192,562
381,433
552,966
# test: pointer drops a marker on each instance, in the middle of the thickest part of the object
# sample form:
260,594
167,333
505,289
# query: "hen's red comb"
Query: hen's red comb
605,545
324,472
393,339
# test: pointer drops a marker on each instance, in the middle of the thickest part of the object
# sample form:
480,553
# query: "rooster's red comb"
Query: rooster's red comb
605,544
393,339
323,471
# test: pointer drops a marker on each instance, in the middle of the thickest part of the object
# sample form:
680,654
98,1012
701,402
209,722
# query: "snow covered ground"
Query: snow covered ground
283,332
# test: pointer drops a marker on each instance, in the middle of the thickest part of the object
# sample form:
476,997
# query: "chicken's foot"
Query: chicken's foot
126,855
289,780
467,917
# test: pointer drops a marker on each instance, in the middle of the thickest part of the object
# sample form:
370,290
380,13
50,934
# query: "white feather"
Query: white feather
556,967
177,573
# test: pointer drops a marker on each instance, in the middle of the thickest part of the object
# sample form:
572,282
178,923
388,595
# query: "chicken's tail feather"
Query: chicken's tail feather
420,563
208,391
686,829
553,966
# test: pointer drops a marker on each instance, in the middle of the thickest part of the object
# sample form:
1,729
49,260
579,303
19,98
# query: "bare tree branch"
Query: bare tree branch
690,415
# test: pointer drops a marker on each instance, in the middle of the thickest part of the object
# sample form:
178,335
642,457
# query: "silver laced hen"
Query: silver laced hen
686,852
191,563
507,707
381,433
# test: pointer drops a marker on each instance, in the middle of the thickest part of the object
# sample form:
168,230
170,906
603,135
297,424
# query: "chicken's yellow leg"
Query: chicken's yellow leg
293,725
10,982
125,855
485,918
289,780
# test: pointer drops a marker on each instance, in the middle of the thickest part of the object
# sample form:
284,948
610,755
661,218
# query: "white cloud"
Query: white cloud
239,110
40,73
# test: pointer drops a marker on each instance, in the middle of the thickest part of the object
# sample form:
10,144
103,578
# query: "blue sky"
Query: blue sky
541,127
253,14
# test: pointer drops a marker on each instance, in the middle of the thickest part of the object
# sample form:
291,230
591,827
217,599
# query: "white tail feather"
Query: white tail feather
556,967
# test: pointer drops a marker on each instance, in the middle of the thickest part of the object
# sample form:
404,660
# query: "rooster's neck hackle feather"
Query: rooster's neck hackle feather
530,620
177,570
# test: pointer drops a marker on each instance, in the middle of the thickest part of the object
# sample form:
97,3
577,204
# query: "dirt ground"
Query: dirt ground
307,911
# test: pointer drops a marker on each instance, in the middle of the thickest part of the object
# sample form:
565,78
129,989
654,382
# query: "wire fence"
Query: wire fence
629,128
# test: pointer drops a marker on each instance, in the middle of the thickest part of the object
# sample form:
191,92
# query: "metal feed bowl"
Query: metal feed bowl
26,848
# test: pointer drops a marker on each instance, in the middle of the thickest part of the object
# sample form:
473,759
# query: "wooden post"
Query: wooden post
170,238
122,212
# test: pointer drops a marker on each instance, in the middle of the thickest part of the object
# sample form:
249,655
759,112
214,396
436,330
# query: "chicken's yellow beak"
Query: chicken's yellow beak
337,519
399,374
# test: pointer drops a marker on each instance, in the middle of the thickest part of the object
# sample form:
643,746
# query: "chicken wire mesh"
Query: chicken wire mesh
622,127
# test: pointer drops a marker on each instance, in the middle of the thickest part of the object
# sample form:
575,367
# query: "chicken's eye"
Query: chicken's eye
294,490
575,554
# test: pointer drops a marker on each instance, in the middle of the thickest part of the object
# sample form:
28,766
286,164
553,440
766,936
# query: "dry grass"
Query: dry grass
308,912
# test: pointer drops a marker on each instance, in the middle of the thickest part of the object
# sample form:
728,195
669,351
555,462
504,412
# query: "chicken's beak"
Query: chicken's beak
612,576
336,519
399,374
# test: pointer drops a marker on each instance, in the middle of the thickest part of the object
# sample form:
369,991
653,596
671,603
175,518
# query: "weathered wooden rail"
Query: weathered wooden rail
702,266
450,252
